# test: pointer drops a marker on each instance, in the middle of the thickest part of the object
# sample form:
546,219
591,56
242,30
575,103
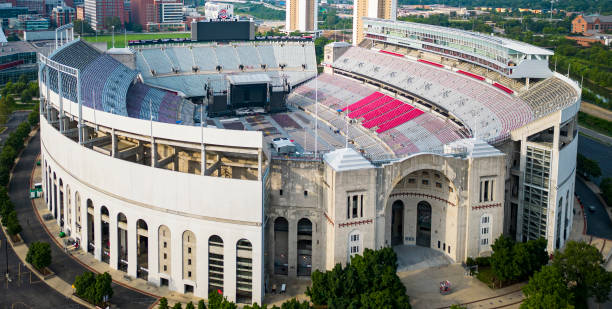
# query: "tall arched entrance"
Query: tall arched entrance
397,223
423,236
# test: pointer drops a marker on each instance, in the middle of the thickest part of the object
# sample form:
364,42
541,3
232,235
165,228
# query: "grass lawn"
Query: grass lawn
120,38
594,123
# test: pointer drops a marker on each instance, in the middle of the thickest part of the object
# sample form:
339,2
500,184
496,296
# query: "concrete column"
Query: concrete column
114,152
258,270
203,163
61,102
175,159
259,171
229,268
292,250
97,233
153,153
176,253
114,243
201,288
153,253
132,252
84,243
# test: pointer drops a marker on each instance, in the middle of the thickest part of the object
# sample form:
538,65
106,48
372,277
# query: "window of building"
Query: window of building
188,261
411,180
189,274
438,244
486,189
165,256
188,249
355,206
361,208
484,241
165,267
305,193
438,185
485,219
425,182
484,231
165,244
280,192
449,249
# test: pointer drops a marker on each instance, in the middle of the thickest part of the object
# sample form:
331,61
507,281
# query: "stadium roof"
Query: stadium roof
508,43
472,147
346,159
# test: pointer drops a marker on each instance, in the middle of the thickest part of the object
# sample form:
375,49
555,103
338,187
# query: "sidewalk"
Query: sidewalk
88,261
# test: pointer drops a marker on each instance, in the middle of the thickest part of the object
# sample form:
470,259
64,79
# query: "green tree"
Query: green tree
111,21
12,225
103,287
177,306
25,96
7,156
83,282
456,306
163,303
82,27
502,259
606,190
582,267
190,305
201,304
39,255
320,42
587,167
547,289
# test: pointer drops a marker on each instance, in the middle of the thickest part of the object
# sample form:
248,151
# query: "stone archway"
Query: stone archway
423,234
397,223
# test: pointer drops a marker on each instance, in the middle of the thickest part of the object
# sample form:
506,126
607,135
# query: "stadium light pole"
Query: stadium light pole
316,112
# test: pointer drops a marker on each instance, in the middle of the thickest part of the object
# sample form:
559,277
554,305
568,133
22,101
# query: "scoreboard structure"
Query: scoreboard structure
223,29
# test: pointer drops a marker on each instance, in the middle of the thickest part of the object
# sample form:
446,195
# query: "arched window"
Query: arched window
281,246
355,244
189,255
69,206
304,247
215,264
164,250
105,225
90,237
485,232
122,242
244,271
142,249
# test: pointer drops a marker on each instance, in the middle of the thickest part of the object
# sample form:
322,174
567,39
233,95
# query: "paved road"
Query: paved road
15,119
598,222
63,265
29,292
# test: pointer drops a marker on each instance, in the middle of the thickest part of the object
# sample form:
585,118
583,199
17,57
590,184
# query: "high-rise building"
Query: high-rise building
62,15
156,12
301,15
385,9
97,12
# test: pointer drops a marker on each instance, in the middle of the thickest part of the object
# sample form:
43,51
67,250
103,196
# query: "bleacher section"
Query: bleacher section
298,60
107,85
490,113
548,95
403,128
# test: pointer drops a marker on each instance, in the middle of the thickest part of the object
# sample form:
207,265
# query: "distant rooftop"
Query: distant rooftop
15,47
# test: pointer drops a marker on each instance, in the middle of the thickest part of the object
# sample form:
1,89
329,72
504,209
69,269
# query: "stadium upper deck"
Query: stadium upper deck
511,58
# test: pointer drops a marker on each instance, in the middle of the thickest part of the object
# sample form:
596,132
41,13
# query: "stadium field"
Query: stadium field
120,38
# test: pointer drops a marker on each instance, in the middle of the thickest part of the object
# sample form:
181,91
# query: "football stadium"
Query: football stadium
221,165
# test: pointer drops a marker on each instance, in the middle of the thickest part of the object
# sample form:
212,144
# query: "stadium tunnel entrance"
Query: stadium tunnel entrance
422,211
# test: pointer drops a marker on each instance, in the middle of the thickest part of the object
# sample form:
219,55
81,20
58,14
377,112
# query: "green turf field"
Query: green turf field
120,38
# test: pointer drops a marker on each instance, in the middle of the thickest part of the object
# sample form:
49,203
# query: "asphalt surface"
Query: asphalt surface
62,264
15,119
598,222
26,290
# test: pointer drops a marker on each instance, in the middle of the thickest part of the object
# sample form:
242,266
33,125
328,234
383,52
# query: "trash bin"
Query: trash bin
62,234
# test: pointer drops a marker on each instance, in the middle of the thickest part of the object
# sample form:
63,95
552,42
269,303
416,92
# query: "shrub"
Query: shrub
606,190
94,288
190,305
177,306
7,156
201,304
12,223
470,261
5,173
39,255
84,283
483,261
163,303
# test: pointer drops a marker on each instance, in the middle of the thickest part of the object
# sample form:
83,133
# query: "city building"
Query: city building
301,15
34,6
7,11
80,12
385,9
214,10
62,15
16,59
154,14
592,24
98,11
287,171
29,22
